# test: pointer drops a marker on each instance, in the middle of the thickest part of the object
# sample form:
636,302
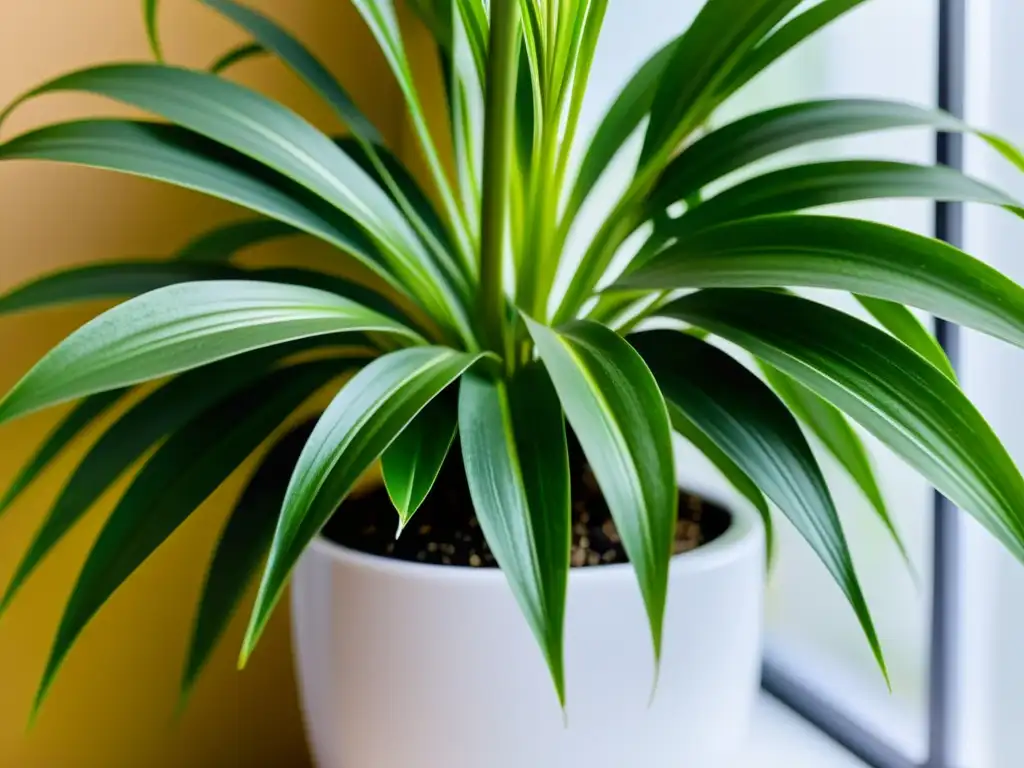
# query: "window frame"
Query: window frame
943,642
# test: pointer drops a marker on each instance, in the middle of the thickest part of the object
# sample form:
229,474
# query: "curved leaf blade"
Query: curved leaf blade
242,545
161,413
831,427
223,243
180,327
363,420
117,280
150,10
274,136
749,423
784,39
105,281
247,122
517,464
387,170
767,133
904,325
713,45
891,391
628,110
70,427
290,50
812,185
237,55
730,470
616,410
186,469
412,462
180,157
844,254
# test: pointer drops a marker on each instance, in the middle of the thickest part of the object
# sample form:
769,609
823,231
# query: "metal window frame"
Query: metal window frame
815,706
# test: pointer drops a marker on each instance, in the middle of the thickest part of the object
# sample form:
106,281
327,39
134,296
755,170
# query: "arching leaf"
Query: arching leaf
837,435
619,416
181,327
185,470
517,464
816,184
243,544
178,156
161,413
755,429
891,391
363,420
845,254
70,427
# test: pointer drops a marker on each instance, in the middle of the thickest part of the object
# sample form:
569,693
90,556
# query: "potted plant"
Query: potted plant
515,424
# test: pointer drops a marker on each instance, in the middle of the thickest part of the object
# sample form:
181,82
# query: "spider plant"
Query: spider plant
454,321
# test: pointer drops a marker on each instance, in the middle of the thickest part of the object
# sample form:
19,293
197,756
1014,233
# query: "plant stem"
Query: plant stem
499,135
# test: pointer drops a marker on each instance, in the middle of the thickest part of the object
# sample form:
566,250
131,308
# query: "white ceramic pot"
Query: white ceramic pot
403,665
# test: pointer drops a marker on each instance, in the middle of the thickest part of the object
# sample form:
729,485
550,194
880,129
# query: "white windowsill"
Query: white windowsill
781,739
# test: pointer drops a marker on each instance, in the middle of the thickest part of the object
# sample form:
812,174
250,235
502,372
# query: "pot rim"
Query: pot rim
744,534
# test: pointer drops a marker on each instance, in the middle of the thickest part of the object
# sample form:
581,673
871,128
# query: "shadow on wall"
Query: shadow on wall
113,704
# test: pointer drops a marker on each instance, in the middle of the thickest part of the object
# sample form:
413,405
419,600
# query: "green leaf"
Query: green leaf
180,327
437,16
816,184
243,543
401,189
237,55
784,39
729,469
70,427
746,420
616,410
149,16
904,325
382,20
363,420
290,50
831,427
474,20
183,472
128,279
382,165
161,413
844,254
891,391
629,109
412,462
223,243
767,133
272,135
310,278
713,45
106,281
517,463
249,123
177,156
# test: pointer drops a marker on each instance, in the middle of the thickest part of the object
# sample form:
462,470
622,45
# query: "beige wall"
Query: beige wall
113,703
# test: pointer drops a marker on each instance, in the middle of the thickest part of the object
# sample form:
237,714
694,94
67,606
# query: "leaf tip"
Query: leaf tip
657,679
39,700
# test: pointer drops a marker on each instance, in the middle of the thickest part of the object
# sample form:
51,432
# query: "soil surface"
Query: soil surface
445,531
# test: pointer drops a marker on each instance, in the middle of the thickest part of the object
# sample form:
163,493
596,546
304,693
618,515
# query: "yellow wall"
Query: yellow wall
113,704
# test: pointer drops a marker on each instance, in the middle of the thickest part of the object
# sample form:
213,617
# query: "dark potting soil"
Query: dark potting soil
444,531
